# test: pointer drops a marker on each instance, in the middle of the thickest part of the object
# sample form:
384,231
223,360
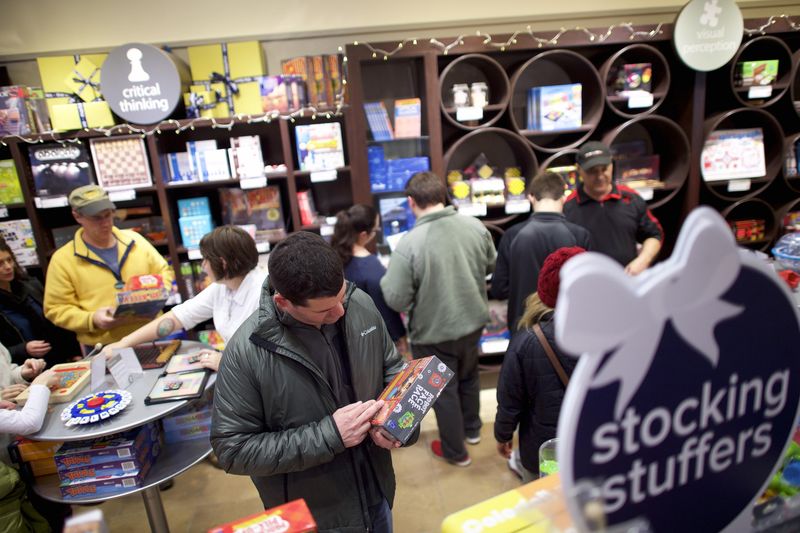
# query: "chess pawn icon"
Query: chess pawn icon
138,73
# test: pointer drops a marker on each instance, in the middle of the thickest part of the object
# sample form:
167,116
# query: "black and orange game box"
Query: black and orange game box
410,396
292,517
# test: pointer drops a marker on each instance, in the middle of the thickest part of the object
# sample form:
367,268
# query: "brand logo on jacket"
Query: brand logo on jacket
685,388
368,331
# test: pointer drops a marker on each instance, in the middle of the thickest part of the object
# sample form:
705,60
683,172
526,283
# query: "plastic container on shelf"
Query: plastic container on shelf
460,95
479,94
483,77
787,251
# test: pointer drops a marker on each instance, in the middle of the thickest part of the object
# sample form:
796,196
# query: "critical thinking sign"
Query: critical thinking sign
684,399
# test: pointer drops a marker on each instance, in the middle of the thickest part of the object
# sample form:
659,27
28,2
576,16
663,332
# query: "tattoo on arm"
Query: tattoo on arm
165,327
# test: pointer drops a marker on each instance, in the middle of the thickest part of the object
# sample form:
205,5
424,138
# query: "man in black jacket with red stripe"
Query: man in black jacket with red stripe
615,215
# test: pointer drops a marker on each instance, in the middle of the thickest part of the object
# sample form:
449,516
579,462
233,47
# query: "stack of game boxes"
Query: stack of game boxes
194,219
108,464
749,230
35,458
190,423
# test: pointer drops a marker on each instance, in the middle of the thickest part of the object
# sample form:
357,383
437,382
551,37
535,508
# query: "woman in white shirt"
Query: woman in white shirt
230,259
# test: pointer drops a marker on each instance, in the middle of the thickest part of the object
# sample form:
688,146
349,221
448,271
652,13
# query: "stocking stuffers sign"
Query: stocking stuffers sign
688,392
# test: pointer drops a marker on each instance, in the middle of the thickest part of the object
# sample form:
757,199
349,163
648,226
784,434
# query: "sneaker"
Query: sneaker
473,440
514,464
436,448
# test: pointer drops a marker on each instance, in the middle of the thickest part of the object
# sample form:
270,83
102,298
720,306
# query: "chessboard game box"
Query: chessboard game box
59,168
291,517
120,163
120,446
410,395
18,234
10,189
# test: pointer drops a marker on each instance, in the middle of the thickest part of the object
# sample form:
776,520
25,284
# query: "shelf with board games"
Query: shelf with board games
761,71
637,78
753,222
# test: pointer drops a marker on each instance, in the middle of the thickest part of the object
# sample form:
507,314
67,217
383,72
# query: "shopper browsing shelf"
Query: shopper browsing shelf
230,259
438,274
85,274
355,228
525,246
295,393
615,215
23,327
530,389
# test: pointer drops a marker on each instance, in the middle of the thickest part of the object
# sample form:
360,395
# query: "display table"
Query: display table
172,460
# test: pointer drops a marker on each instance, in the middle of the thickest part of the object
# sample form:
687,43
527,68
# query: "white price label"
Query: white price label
194,253
645,192
323,175
639,99
262,247
757,92
122,196
464,114
3,211
253,183
49,203
326,230
494,346
472,210
517,206
738,185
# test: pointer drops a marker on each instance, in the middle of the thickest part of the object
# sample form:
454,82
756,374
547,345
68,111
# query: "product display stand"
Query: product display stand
172,461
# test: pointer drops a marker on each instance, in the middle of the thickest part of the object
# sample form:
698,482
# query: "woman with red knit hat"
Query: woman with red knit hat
531,386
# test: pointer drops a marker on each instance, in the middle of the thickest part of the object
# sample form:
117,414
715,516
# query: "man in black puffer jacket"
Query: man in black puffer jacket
296,388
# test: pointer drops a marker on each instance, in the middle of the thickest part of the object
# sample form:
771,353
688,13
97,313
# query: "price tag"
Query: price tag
645,192
738,185
262,247
253,183
3,211
517,206
122,196
194,253
639,99
464,114
326,230
49,203
472,210
494,346
323,175
757,92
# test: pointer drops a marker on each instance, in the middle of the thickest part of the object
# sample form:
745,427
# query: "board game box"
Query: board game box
111,469
120,163
10,190
103,487
143,296
291,517
23,450
71,379
319,146
733,154
18,234
122,446
58,168
749,73
410,395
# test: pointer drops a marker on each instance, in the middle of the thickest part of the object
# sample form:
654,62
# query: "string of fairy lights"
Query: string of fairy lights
518,38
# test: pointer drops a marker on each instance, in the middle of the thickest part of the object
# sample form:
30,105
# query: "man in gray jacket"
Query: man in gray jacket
295,393
437,274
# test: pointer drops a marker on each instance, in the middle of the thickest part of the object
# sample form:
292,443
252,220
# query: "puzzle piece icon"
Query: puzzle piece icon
711,12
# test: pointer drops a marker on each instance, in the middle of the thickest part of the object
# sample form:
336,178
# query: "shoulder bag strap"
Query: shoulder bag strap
537,330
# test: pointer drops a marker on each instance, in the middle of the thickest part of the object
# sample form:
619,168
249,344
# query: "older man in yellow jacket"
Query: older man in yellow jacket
85,274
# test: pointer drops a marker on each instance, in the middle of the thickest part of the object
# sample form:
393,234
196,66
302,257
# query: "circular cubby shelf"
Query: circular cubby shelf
745,118
633,54
502,148
754,208
759,49
785,209
795,84
792,181
468,69
557,67
662,137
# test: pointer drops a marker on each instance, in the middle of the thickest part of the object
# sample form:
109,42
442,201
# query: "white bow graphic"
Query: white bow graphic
601,309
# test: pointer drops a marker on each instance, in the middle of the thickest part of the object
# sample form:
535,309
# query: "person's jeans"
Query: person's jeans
381,517
458,406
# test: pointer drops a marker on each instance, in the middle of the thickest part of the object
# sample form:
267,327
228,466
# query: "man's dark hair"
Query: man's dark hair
303,266
427,189
548,185
230,252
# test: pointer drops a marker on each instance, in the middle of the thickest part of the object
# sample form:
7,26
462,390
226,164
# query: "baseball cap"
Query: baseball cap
89,200
592,154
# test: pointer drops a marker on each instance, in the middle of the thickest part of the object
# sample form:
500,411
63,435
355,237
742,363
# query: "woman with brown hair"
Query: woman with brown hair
23,327
355,228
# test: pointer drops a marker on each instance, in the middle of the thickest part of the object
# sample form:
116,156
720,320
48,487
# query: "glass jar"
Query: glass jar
479,94
460,95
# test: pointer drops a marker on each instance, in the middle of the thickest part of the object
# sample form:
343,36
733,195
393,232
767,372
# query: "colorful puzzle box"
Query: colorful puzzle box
410,395
291,517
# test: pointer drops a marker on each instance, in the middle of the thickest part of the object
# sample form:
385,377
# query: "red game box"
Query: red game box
410,396
292,517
